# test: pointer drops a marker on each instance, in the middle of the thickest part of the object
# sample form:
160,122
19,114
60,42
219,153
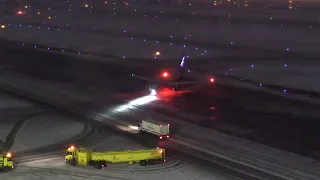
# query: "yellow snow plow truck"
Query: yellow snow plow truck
85,157
6,164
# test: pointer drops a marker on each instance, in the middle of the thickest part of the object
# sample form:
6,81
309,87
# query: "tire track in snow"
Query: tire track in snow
12,134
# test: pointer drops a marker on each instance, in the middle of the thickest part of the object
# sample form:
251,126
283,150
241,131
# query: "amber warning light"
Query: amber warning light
71,148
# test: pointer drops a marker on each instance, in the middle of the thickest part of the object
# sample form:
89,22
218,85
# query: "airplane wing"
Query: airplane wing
154,81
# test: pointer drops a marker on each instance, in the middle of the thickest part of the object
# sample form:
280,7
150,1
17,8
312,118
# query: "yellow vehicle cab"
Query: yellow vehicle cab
6,163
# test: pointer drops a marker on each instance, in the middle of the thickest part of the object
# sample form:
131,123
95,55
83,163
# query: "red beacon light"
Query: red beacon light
20,12
212,80
165,74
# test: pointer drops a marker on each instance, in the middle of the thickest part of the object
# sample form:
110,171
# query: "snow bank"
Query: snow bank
44,130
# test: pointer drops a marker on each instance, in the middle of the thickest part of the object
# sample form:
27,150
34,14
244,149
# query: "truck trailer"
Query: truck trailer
6,163
159,129
85,157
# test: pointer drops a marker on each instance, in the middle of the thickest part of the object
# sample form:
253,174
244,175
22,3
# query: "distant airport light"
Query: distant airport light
157,53
3,26
20,12
86,5
212,80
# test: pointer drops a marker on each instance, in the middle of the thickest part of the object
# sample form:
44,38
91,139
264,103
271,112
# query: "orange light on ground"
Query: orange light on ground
157,53
86,5
3,26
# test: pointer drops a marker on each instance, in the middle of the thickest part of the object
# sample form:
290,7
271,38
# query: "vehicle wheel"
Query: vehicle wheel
98,165
143,163
6,169
104,163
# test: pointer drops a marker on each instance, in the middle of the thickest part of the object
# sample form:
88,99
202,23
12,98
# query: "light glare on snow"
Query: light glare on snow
137,102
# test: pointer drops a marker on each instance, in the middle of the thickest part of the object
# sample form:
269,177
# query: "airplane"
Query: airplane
174,83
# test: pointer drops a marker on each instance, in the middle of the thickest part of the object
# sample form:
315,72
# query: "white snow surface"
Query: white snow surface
121,47
11,111
45,129
267,159
274,161
82,29
268,36
291,75
48,167
139,35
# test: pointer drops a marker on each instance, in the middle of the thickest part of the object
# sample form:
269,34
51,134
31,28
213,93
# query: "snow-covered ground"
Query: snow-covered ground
45,129
11,112
48,167
136,31
267,159
121,47
291,75
268,29
116,40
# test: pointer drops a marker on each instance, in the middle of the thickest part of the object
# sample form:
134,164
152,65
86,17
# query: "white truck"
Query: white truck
159,129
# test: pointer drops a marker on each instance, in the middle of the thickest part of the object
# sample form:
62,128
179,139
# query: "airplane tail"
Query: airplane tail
182,66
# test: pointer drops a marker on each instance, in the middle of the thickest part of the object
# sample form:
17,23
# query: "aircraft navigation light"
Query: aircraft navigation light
165,74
